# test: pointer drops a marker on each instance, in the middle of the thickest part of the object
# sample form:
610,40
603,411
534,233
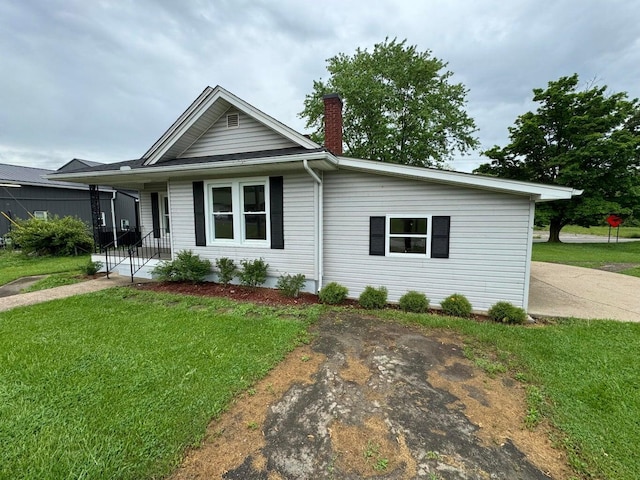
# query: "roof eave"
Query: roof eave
538,192
204,101
321,160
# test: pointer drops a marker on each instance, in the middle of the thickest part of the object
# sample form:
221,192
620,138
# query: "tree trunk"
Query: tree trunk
554,230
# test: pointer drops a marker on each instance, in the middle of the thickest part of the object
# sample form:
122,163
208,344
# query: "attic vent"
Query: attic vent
233,120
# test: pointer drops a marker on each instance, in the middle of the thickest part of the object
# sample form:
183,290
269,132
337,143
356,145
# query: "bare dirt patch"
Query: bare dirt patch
375,399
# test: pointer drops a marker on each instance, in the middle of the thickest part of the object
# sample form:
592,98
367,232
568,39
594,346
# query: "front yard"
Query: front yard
117,384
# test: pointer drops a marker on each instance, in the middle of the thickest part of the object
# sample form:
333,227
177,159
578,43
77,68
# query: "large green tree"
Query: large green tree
582,138
399,106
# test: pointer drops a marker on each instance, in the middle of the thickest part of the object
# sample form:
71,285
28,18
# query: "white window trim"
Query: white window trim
388,235
237,198
41,214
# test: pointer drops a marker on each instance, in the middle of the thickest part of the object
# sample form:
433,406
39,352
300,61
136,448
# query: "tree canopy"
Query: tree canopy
399,106
585,139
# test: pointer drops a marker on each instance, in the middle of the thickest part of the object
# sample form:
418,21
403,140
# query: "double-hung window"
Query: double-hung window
254,212
222,212
408,235
238,212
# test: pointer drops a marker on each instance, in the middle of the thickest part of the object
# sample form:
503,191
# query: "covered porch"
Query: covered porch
134,255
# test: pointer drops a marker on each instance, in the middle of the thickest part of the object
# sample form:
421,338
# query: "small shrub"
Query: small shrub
226,270
91,268
333,293
56,236
372,298
187,267
505,312
253,272
290,285
456,305
413,301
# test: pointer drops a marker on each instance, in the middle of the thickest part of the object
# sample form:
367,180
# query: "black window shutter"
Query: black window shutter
277,212
155,214
440,237
198,213
377,227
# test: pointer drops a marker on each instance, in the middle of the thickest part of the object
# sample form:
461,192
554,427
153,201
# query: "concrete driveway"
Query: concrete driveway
564,291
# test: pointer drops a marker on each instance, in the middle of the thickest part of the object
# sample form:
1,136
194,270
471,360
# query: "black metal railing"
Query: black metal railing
138,253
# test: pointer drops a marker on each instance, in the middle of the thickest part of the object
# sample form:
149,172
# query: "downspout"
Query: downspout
113,219
527,270
319,234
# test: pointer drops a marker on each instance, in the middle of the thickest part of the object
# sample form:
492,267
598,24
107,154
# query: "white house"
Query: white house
227,180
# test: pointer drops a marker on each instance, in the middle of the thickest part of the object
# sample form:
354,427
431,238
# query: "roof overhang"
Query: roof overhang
195,113
135,178
538,192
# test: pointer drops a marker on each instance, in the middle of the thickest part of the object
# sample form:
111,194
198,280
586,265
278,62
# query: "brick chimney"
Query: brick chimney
333,123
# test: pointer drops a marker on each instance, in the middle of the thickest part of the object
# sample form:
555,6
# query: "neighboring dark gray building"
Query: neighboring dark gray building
25,192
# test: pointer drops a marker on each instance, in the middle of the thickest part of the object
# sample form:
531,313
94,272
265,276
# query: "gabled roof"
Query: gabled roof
18,175
210,105
162,161
77,164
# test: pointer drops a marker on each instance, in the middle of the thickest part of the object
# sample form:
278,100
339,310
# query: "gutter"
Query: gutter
186,169
319,222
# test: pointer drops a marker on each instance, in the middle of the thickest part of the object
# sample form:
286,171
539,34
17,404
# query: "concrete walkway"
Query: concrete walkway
7,303
563,291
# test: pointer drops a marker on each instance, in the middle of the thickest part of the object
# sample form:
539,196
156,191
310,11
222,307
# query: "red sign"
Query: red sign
614,220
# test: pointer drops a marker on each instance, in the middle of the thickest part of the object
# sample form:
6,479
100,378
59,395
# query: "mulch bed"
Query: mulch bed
260,295
265,296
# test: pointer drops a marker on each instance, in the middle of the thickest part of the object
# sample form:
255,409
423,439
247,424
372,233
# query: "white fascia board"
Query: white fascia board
268,121
64,187
539,192
201,105
152,152
328,161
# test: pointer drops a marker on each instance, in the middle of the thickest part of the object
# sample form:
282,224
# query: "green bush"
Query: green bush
333,293
372,297
505,312
56,236
413,301
91,268
456,305
226,270
253,272
290,285
187,267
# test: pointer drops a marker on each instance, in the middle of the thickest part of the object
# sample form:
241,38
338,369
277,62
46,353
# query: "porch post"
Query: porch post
96,216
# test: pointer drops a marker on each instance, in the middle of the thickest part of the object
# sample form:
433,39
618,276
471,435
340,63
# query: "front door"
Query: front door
165,221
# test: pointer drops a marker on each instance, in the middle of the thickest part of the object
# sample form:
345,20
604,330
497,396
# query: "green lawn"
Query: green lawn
116,384
14,265
625,232
588,374
590,255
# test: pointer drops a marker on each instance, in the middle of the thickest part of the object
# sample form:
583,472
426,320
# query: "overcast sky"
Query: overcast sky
102,79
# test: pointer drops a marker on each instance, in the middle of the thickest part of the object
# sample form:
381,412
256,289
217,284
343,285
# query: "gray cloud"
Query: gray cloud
102,80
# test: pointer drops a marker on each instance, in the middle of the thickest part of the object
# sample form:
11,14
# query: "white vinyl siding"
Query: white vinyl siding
299,252
488,239
249,136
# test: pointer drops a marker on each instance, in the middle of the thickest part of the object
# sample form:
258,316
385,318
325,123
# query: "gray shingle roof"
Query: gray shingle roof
33,176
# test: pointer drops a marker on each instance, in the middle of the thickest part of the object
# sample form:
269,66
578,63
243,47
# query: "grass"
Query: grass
14,265
116,384
591,255
584,377
625,232
55,280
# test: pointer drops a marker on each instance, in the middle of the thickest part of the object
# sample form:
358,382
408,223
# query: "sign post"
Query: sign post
614,221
